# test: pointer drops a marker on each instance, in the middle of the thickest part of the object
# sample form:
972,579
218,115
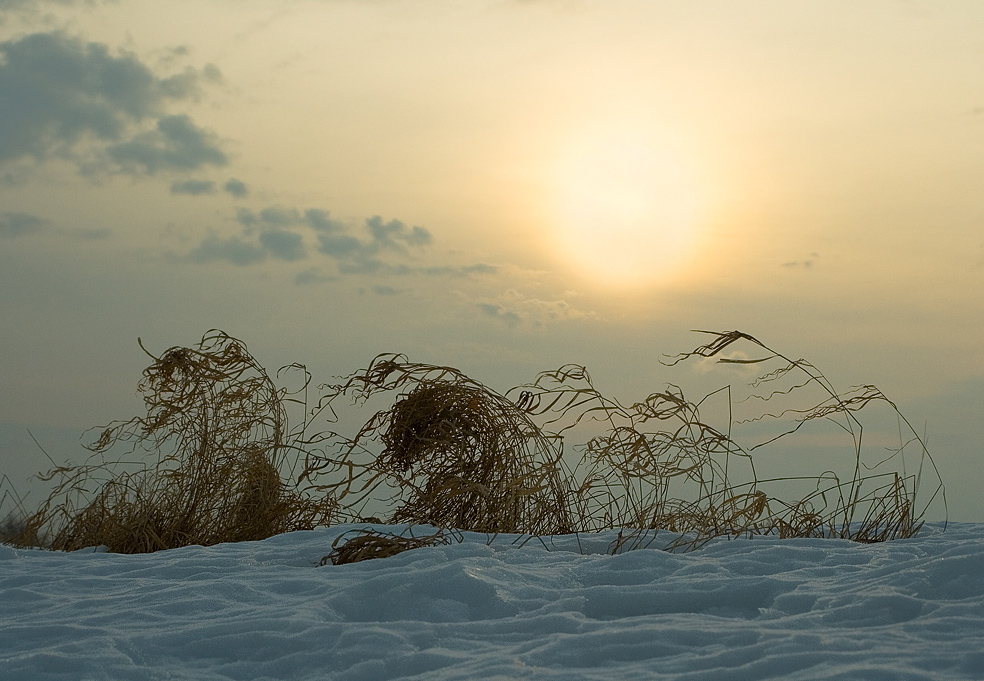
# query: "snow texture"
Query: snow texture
484,608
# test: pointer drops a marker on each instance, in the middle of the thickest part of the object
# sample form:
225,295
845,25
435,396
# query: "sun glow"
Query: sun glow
624,209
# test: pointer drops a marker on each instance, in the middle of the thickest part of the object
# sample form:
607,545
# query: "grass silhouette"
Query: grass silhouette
218,442
215,458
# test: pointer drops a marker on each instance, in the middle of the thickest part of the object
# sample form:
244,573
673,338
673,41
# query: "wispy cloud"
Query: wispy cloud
75,100
13,225
376,247
514,308
499,312
193,187
802,264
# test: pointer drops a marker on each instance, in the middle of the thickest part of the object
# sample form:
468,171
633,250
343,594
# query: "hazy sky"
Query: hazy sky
504,186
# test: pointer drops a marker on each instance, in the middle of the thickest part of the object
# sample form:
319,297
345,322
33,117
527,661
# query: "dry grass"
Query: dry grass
662,465
370,544
452,453
216,430
14,528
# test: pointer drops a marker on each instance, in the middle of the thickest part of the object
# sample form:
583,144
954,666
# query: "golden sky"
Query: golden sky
499,185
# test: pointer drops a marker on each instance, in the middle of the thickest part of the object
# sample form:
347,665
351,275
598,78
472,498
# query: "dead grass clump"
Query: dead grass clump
453,454
209,460
370,544
661,464
217,426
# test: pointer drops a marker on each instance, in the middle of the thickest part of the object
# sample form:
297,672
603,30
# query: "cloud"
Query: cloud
234,250
283,244
803,264
177,144
14,225
65,98
464,271
352,254
235,188
322,221
515,309
313,276
377,247
7,5
498,312
395,235
340,246
193,187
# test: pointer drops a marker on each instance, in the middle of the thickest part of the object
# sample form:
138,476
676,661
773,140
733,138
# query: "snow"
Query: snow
489,608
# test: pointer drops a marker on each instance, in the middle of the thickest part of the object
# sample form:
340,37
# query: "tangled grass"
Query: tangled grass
661,465
452,453
217,433
370,544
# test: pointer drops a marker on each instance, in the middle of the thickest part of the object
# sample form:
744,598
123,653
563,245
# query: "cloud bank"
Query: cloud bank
330,247
69,99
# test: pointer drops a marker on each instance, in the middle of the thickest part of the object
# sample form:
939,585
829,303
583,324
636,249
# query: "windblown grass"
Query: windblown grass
452,453
217,432
661,465
14,528
370,544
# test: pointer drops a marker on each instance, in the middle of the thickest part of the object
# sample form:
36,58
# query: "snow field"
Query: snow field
486,608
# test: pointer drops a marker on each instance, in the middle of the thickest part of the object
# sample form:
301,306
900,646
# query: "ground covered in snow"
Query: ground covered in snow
743,609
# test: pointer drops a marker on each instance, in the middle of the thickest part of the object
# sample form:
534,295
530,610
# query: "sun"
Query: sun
624,208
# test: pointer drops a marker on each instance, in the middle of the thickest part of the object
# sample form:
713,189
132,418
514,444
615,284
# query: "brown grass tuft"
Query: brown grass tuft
454,453
217,426
211,459
370,544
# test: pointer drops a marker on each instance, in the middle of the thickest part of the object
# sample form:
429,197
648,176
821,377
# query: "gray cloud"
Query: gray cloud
339,246
448,270
193,187
177,144
321,221
235,188
394,234
66,98
7,5
20,224
498,312
283,244
381,290
353,254
318,219
380,248
313,276
234,250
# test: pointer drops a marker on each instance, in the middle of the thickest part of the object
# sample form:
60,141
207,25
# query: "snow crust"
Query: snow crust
488,608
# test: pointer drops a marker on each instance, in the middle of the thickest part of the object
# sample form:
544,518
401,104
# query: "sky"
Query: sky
503,186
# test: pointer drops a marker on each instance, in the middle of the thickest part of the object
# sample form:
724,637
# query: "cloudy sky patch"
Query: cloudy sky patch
70,98
14,225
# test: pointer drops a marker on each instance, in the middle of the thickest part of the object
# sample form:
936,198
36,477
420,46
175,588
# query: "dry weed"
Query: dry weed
453,454
370,544
217,426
